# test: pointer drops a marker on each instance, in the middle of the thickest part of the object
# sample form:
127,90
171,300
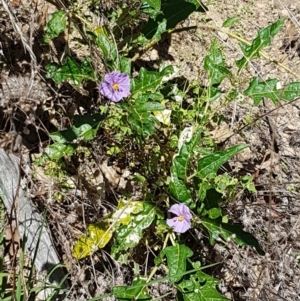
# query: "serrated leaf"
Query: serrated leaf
258,89
262,40
137,291
211,163
176,257
230,22
55,26
98,235
129,236
200,287
217,229
70,71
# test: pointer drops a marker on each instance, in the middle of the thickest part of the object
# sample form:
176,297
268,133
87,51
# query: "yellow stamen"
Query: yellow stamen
115,86
180,218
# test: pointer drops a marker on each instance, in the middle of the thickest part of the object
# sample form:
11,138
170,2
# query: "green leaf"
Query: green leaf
102,40
58,150
176,258
173,12
70,71
148,81
262,40
178,190
55,26
125,65
182,159
259,89
148,107
200,287
230,22
137,291
291,91
212,203
216,229
128,236
156,4
140,116
214,64
143,123
85,127
211,163
268,89
98,235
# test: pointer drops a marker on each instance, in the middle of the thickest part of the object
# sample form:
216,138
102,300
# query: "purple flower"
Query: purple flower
182,222
115,86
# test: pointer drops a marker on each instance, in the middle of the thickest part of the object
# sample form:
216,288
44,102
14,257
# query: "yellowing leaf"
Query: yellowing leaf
98,235
163,116
125,209
84,247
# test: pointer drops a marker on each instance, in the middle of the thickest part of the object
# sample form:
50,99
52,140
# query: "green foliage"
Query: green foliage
230,22
262,40
168,17
155,4
129,235
135,292
172,152
200,287
214,65
259,89
55,26
177,258
65,142
70,71
210,164
216,228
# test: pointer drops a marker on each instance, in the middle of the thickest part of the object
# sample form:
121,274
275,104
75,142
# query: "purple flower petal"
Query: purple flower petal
115,86
182,222
172,221
182,227
181,209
